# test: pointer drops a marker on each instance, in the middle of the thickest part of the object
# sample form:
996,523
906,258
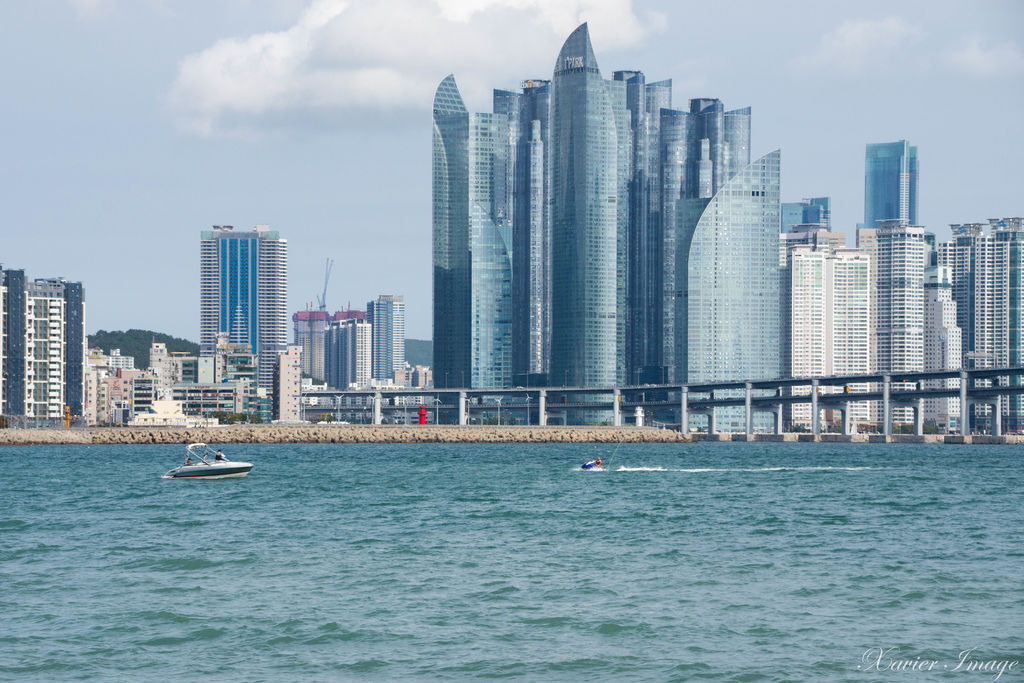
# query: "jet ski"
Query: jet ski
591,465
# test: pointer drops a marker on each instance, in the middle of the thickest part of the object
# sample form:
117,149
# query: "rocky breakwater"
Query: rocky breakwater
339,434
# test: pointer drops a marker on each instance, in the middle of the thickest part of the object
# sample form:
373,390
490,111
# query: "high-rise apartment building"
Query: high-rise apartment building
349,353
531,232
605,187
899,301
942,347
585,224
310,330
42,346
386,315
243,289
825,319
728,326
472,244
890,183
701,151
986,263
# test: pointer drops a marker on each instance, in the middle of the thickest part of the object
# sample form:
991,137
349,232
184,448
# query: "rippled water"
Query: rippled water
721,561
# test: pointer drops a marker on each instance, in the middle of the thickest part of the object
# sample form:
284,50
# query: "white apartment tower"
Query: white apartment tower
387,316
899,298
243,290
942,347
986,263
827,318
349,353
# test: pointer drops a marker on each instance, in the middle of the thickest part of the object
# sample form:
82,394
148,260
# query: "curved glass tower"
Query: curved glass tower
729,266
585,220
451,237
472,245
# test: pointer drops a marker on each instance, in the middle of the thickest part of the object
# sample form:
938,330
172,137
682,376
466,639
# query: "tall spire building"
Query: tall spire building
585,220
472,236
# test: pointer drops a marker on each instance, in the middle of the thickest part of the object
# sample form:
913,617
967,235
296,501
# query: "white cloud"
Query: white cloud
976,59
343,58
859,44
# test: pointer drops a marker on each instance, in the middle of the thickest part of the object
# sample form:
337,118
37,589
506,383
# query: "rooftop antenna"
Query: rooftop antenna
322,300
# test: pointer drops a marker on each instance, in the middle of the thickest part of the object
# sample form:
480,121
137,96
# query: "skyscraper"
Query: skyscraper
531,235
943,346
986,263
348,350
700,151
727,326
890,183
42,346
585,222
472,242
386,314
243,290
815,211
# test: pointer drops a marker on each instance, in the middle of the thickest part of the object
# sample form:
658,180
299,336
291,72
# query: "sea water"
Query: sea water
395,562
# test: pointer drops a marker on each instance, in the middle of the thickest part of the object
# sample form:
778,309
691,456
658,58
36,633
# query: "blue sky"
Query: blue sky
131,125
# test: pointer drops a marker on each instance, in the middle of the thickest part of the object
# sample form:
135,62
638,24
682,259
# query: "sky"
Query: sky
129,126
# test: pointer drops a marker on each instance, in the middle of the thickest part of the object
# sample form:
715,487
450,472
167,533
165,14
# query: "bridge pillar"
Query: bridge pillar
712,427
778,419
462,408
616,408
844,417
965,419
997,416
750,412
542,408
684,411
886,405
376,408
919,417
815,410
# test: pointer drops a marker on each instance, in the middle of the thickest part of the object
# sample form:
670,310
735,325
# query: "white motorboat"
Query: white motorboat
200,464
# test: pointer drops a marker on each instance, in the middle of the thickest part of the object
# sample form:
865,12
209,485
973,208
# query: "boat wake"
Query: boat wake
697,470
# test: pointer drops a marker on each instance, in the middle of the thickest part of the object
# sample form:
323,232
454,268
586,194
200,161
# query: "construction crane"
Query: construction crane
322,300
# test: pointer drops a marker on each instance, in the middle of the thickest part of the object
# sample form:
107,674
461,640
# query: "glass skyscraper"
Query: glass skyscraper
701,150
585,187
243,291
563,226
531,234
890,183
472,238
729,321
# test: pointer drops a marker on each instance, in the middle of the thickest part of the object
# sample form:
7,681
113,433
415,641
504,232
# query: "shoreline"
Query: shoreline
278,434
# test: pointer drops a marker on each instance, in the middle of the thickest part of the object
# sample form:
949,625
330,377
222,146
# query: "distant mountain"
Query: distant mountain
137,342
419,351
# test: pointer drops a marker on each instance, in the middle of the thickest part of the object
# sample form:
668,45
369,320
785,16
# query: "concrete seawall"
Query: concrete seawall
437,434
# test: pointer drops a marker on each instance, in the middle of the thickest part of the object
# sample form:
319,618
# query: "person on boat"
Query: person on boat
597,463
188,459
220,457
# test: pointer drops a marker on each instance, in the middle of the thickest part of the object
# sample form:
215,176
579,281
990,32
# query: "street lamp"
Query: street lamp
499,411
527,410
437,410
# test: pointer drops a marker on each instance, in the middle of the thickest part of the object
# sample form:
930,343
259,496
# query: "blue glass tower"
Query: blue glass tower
890,183
472,244
243,292
585,187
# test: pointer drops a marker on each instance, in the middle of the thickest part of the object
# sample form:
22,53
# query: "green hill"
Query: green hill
137,342
419,351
